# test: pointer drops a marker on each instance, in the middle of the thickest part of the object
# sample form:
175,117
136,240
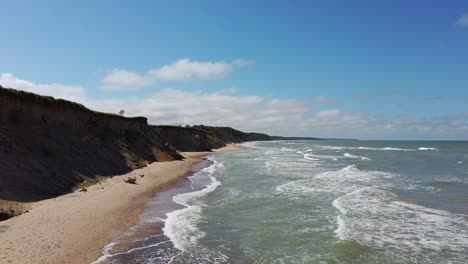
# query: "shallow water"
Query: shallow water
312,202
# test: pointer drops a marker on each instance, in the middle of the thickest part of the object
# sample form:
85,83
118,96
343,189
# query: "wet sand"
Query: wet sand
73,228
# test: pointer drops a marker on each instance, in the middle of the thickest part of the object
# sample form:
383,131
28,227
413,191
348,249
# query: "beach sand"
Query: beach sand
74,227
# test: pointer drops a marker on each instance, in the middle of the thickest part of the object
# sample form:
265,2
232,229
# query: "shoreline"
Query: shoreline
73,228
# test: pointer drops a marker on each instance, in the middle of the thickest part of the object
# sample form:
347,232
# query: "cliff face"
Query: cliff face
48,146
189,139
205,138
231,135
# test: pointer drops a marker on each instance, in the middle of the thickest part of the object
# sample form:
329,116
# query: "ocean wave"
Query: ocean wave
370,214
386,148
351,156
310,157
427,148
363,148
295,187
249,144
287,149
181,225
376,217
333,147
337,182
339,148
291,167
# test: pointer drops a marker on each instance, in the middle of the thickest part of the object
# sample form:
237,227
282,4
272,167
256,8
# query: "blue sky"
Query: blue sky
364,69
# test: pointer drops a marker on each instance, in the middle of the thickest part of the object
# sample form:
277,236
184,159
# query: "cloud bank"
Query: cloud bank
274,116
73,93
183,69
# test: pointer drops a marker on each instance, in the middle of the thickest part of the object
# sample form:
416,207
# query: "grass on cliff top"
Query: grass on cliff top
51,101
210,135
185,127
45,100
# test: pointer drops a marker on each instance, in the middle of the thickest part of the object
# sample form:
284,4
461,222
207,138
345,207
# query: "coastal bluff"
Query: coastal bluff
189,138
206,138
49,147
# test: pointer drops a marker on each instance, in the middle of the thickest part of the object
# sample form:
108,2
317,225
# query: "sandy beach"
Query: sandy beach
74,227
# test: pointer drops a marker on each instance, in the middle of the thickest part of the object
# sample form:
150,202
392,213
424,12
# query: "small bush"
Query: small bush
142,175
130,180
83,189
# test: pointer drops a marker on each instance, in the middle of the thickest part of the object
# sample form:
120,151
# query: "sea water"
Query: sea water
311,202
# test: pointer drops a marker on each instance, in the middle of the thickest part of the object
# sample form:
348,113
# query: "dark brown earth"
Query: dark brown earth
189,139
49,147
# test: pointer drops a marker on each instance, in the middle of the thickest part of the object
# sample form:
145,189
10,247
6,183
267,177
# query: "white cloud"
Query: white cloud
186,69
274,116
463,20
248,113
74,93
118,80
444,126
183,69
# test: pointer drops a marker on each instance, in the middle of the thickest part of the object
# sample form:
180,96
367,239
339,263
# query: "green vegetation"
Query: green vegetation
231,135
205,138
50,101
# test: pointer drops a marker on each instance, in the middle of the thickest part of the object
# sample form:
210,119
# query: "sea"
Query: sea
318,201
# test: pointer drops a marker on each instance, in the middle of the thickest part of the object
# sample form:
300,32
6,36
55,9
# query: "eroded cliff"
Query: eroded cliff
49,146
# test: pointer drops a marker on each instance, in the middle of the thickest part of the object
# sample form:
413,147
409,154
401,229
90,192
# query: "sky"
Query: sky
349,69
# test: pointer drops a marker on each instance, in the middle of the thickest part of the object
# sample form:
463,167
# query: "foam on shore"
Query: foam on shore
181,225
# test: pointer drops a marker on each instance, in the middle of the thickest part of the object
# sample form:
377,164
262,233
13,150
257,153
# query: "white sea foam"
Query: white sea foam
333,147
287,149
377,218
181,225
460,162
351,156
250,144
318,157
374,148
338,182
106,253
364,148
426,148
310,157
373,216
386,148
390,148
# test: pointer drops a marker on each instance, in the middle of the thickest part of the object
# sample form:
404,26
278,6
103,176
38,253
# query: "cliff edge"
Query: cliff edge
49,146
189,138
